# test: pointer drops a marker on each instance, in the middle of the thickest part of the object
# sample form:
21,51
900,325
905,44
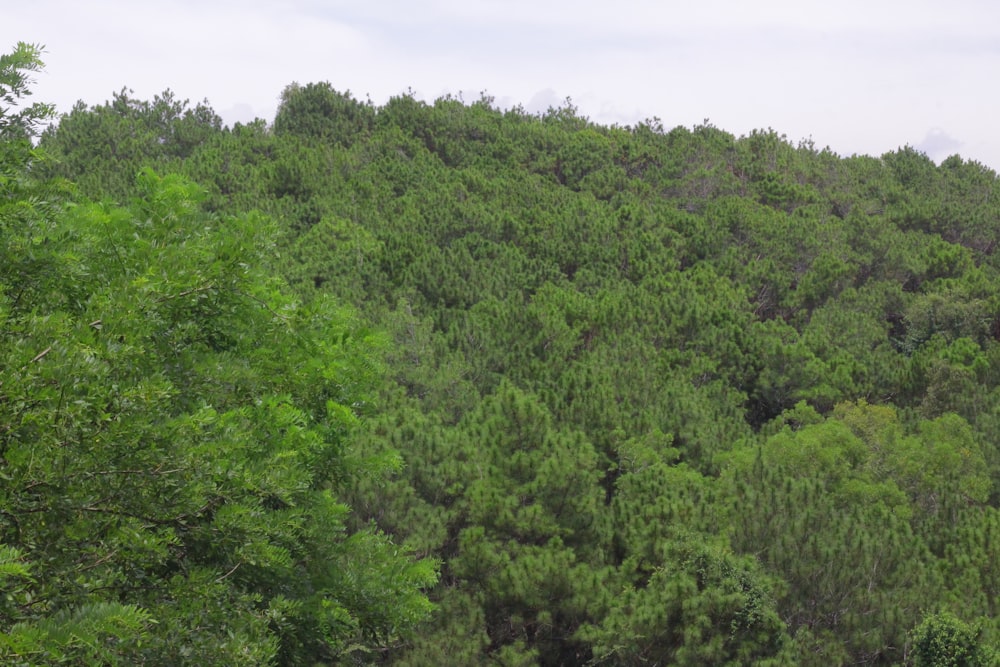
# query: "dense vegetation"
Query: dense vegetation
599,395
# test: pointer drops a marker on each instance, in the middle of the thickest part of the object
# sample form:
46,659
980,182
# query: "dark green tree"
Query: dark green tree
317,111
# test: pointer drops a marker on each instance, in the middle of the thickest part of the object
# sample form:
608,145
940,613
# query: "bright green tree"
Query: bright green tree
944,640
176,431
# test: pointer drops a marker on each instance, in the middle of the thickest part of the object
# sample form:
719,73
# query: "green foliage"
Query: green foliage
78,635
702,606
176,429
944,640
101,149
16,68
655,395
805,504
317,111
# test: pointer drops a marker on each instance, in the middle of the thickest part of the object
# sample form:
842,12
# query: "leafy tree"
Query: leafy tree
101,149
176,429
811,506
943,640
701,606
317,111
18,122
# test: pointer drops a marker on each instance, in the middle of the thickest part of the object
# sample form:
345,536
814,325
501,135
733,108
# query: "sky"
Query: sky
857,76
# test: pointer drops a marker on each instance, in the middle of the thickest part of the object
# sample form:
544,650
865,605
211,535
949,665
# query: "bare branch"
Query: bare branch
226,575
193,290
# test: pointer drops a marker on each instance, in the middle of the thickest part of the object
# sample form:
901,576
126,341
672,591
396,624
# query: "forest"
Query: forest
442,383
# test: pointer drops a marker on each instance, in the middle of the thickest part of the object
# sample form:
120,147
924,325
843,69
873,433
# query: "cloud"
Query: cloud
542,101
938,144
241,112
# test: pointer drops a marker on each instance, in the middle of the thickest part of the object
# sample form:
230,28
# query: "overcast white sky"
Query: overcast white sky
859,76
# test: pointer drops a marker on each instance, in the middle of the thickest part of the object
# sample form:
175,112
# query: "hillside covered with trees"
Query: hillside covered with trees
448,384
